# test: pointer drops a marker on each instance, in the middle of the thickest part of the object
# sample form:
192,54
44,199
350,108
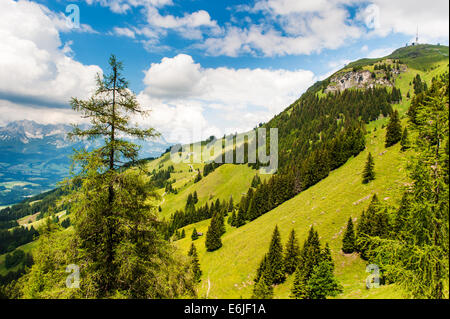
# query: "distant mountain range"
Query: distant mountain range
34,157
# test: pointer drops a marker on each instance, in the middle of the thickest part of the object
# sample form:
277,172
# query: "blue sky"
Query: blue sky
210,66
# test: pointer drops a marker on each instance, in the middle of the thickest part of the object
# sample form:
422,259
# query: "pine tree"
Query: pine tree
230,205
240,218
393,130
232,219
213,241
300,289
311,252
314,279
419,86
183,234
292,255
326,255
275,258
256,181
195,198
310,256
252,213
198,177
195,263
221,222
322,282
348,243
194,235
263,289
261,269
368,173
405,140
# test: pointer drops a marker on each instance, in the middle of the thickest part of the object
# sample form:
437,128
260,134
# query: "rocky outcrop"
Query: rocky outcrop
355,79
363,79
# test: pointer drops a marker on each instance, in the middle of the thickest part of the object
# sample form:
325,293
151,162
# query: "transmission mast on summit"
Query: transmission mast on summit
417,35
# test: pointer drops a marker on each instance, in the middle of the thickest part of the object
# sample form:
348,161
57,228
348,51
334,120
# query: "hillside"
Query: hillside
327,206
326,203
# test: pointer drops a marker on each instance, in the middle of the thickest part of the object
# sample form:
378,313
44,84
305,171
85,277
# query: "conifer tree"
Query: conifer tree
275,258
213,241
322,282
419,252
292,255
240,218
348,243
261,269
419,85
256,181
195,263
232,219
311,252
221,222
230,205
115,236
198,177
194,235
405,140
263,289
183,234
299,289
252,213
368,173
310,256
393,130
195,198
326,255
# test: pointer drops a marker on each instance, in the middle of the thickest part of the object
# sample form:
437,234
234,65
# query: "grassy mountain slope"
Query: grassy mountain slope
228,272
227,180
327,206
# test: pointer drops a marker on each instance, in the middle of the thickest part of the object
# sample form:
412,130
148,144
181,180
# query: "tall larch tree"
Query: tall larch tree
115,240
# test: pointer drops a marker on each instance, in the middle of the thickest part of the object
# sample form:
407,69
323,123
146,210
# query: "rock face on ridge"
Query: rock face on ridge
364,79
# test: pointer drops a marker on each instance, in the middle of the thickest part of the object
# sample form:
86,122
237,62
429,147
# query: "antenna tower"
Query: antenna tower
417,35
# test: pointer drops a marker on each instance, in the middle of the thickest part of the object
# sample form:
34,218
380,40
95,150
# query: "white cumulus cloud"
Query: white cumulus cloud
184,96
33,61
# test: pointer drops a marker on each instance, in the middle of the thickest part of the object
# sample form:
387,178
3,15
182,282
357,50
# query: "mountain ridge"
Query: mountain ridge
34,157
